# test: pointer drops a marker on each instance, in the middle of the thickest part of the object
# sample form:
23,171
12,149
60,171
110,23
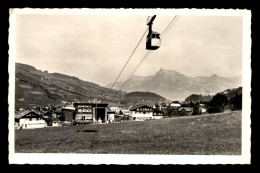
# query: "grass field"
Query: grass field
193,135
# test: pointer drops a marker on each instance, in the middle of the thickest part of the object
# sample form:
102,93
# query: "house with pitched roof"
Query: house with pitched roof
175,104
144,112
27,119
185,110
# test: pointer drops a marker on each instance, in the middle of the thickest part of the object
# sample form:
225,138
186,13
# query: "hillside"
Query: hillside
34,86
198,97
176,86
144,95
148,98
232,92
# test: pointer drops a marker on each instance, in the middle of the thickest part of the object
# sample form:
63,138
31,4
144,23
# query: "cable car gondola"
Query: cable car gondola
152,37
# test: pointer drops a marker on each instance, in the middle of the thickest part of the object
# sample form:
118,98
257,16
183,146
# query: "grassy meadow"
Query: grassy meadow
217,134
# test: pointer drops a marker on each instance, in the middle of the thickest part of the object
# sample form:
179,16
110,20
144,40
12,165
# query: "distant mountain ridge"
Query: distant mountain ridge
176,86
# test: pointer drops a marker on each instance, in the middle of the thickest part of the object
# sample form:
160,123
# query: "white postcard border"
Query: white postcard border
42,158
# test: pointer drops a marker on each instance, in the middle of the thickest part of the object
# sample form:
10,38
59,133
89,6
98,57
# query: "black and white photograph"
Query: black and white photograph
129,86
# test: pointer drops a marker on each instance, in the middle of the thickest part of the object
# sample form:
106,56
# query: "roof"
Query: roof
68,108
188,109
175,102
22,113
138,106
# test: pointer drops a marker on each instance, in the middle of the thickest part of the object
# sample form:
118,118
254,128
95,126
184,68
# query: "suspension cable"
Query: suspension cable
163,33
126,63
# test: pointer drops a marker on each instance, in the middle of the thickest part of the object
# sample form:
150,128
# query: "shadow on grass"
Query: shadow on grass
87,131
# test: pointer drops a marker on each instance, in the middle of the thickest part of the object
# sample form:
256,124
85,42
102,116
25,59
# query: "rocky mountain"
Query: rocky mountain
176,86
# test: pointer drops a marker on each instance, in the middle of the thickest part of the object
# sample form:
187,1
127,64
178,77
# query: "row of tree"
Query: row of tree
216,105
219,101
198,97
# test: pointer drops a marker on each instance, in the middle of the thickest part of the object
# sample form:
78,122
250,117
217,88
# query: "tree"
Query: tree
169,111
191,104
237,102
196,109
217,103
219,100
172,111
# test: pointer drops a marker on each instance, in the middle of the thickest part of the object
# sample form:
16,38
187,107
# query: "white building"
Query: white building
27,119
56,122
175,104
115,108
144,112
157,114
202,108
111,116
125,111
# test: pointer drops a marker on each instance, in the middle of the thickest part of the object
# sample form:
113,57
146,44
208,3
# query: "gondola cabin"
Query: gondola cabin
153,40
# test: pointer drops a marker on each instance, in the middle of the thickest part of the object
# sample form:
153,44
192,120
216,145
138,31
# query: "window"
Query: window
88,117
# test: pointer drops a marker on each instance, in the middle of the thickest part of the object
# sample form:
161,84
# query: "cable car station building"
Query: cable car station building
90,112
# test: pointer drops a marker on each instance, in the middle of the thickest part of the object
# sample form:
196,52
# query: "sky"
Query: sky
96,47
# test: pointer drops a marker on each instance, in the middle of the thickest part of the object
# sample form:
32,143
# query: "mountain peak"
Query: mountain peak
165,71
214,76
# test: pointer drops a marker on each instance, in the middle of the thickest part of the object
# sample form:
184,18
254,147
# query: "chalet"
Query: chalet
28,119
144,112
185,110
90,112
141,113
175,104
